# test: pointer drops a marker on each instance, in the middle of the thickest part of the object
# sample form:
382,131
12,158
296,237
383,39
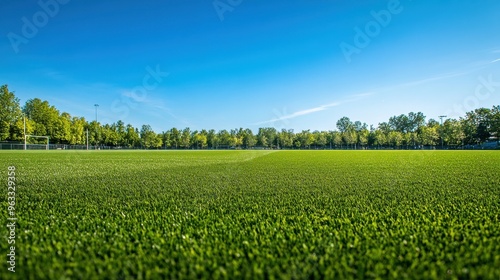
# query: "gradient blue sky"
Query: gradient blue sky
261,63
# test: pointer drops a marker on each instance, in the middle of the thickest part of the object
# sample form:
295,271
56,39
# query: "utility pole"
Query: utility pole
97,127
441,117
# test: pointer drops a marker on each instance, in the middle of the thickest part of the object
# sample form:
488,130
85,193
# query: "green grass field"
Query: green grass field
253,214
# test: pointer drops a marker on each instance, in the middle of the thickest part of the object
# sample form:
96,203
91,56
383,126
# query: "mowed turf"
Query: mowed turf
253,214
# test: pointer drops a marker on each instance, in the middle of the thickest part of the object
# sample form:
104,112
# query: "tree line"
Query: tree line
403,131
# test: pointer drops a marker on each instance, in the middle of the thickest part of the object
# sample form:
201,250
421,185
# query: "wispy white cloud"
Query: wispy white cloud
434,78
295,114
359,96
474,67
354,97
365,94
53,75
165,110
468,68
423,81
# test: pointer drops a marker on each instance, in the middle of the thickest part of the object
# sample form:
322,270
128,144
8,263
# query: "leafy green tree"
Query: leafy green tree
400,123
395,139
350,137
329,139
110,135
200,139
45,116
262,139
94,133
296,142
186,138
358,126
306,139
157,142
286,138
453,133
348,130
429,135
148,137
432,123
415,121
236,138
477,125
413,138
212,139
267,137
344,124
62,131
78,133
380,138
17,130
320,139
406,139
132,138
249,140
119,128
363,135
224,138
175,139
495,121
10,113
483,132
166,139
384,127
337,139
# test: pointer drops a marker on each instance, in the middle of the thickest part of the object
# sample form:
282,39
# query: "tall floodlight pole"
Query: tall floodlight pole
97,128
441,117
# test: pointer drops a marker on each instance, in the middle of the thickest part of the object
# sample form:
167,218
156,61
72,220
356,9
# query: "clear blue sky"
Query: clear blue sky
252,63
